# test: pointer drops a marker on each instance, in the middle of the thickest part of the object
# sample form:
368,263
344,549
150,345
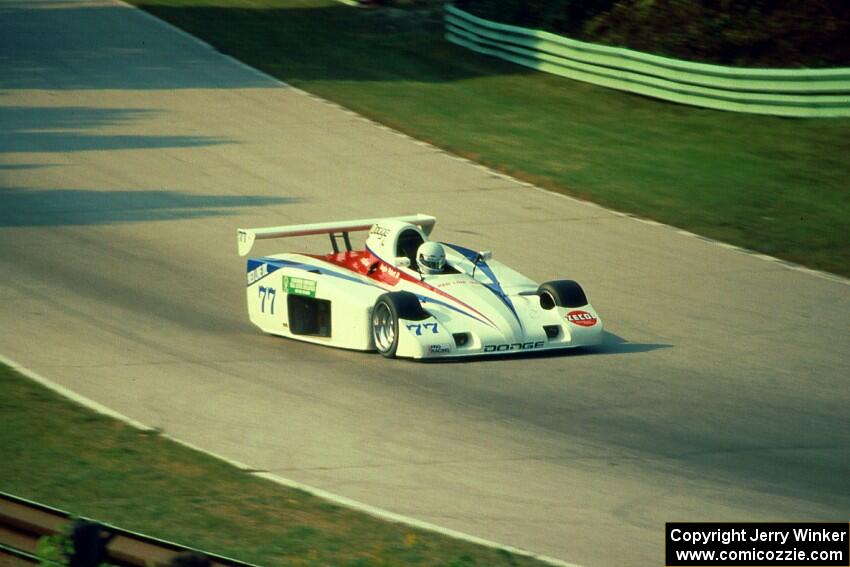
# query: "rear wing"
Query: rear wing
247,236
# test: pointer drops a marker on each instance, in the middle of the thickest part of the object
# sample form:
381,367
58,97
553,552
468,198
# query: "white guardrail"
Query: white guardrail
781,92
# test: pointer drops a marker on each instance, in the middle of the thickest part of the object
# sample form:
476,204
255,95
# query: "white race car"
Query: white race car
406,296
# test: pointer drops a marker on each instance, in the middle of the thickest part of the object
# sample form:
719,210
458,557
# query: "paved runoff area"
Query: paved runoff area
129,155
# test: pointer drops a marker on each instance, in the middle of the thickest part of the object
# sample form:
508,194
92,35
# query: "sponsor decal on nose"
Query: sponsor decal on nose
581,318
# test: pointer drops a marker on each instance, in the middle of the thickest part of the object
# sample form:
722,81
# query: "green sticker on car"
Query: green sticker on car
299,286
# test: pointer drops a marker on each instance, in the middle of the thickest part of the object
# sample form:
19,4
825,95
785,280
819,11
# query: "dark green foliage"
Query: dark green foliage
770,33
564,16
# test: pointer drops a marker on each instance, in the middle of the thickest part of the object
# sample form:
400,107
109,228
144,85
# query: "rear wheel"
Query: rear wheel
388,309
561,293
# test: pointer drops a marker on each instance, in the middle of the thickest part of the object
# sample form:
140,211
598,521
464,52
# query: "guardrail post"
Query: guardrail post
89,541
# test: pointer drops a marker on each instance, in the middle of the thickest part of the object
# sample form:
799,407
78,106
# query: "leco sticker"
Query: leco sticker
581,318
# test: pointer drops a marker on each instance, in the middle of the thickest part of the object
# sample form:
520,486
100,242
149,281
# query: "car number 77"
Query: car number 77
418,327
270,294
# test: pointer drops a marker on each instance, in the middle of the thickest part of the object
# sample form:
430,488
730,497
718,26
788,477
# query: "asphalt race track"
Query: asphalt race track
129,155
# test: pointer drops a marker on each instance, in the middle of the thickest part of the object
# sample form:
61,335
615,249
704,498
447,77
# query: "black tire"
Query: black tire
388,309
561,293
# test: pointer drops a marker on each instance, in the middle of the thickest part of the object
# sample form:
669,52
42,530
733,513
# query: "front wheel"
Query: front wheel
388,309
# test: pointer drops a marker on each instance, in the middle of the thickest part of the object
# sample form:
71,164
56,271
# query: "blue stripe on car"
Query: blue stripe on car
495,287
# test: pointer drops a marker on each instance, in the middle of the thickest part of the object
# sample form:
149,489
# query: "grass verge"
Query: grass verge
775,185
66,456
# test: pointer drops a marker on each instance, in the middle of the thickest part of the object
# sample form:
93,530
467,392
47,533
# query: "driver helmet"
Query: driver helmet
431,258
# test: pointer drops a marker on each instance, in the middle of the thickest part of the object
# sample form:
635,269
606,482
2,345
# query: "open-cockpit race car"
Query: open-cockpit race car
407,296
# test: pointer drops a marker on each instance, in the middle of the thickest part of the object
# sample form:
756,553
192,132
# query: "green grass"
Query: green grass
63,455
775,185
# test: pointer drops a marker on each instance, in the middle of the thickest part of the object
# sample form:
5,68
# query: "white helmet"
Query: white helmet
431,258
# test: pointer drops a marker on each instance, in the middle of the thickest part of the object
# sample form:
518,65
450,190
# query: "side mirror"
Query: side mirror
485,255
401,262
